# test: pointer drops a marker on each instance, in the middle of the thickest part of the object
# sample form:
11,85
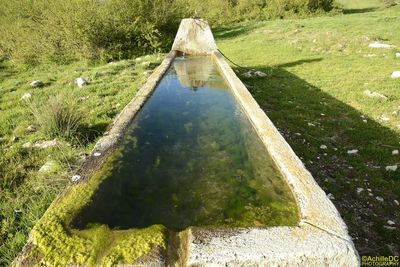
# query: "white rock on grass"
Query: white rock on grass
375,94
390,222
96,154
398,54
36,84
392,168
380,45
49,166
254,73
248,74
397,202
380,199
26,96
359,190
384,117
27,145
75,178
352,152
395,152
330,196
395,74
389,227
260,74
138,59
46,144
81,82
145,64
323,147
31,128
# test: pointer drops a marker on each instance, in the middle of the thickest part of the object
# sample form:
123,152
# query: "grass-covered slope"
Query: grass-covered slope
317,73
27,189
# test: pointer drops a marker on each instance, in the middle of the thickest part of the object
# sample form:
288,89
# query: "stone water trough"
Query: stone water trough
75,231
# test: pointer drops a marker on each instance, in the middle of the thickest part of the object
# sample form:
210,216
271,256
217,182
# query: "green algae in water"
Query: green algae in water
191,158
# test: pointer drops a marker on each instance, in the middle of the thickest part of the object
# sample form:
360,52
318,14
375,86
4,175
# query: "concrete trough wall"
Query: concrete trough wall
320,239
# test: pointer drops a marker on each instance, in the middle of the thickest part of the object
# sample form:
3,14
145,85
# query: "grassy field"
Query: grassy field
317,71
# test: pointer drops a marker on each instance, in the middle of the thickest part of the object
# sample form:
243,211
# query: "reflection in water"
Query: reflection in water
197,72
191,158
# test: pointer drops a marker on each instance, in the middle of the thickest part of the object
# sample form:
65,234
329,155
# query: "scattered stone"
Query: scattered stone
31,128
26,96
138,59
298,134
82,98
380,199
389,227
323,147
254,73
330,196
383,117
398,54
397,202
392,168
390,222
369,190
145,64
248,74
147,73
352,152
117,105
370,194
380,45
147,56
75,178
365,121
260,74
311,124
395,152
335,148
375,94
14,139
371,55
49,166
359,190
46,144
96,154
27,145
395,74
396,113
36,84
81,82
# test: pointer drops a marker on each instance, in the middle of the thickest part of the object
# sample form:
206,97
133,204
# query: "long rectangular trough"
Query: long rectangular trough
191,173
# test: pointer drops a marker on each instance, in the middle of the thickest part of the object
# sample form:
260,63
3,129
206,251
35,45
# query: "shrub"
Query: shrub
62,31
60,116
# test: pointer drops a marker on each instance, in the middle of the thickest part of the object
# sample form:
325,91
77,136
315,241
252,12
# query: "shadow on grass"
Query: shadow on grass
89,133
308,117
359,10
5,70
233,31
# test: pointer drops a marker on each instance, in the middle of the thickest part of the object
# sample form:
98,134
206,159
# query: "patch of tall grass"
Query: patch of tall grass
61,116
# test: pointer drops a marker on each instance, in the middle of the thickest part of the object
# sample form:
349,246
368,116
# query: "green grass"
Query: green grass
318,70
25,193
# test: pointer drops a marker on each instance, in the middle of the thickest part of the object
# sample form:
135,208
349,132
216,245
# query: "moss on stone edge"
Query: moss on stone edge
62,246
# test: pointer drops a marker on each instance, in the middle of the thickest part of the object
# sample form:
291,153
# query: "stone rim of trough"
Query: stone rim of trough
320,238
